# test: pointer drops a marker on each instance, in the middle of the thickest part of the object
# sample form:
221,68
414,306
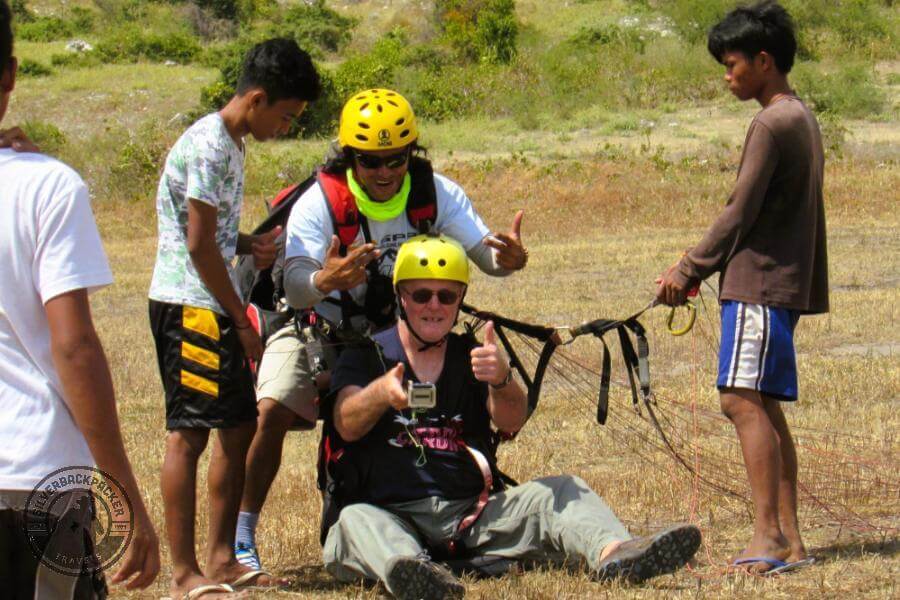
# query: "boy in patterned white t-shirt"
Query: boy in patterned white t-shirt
203,337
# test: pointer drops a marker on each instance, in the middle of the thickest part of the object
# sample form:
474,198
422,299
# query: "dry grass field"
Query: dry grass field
613,193
599,231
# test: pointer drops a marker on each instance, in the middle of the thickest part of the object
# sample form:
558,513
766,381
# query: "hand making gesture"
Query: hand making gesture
511,253
391,384
264,249
344,272
489,362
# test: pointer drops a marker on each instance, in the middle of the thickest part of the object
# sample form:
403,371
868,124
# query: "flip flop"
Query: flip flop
791,566
244,580
776,567
200,590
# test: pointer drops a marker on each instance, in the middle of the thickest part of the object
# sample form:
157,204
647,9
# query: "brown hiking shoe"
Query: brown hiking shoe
418,579
642,558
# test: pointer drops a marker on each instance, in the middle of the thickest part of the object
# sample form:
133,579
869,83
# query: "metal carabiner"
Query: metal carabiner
692,316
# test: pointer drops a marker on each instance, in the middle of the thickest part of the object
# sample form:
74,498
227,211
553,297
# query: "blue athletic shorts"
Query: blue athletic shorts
757,350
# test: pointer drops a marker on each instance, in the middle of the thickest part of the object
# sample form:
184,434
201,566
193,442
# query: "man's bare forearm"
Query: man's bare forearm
213,273
508,407
358,409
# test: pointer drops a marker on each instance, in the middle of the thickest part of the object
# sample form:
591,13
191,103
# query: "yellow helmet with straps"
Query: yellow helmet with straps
377,119
431,256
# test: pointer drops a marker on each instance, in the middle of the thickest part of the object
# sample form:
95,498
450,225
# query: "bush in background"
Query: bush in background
47,136
484,30
848,91
20,12
131,44
33,68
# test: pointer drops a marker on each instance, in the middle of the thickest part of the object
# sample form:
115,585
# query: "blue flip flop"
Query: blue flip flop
776,567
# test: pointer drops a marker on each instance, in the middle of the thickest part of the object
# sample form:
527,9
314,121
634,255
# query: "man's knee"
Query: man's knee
274,417
187,443
737,403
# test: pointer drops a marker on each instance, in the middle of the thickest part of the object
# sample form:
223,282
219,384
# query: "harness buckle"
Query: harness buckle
563,335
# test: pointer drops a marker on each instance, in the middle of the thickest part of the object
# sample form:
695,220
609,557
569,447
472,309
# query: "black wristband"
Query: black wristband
505,382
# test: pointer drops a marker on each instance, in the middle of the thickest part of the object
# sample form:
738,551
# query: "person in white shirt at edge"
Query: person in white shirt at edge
381,166
56,392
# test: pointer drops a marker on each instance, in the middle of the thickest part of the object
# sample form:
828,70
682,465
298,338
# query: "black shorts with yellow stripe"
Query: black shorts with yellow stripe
205,375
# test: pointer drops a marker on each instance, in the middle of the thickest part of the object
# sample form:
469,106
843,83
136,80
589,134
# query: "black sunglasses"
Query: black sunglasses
423,296
393,161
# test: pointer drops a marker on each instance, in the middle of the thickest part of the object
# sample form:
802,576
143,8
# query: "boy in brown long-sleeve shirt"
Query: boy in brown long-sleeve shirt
768,244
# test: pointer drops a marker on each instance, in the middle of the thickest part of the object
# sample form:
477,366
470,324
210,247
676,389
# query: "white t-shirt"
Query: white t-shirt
49,245
309,231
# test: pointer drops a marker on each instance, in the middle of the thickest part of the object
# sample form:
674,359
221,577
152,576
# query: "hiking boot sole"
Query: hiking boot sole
638,560
415,579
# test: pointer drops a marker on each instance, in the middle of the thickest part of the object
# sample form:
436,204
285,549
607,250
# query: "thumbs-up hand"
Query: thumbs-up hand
511,252
344,272
489,362
264,249
391,384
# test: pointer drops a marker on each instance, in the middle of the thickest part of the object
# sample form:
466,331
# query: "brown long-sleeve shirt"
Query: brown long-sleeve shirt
769,241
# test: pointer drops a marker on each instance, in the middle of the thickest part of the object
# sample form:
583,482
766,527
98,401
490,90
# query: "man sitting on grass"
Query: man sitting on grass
768,244
416,480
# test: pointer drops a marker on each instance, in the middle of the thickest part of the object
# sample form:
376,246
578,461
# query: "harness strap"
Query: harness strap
485,467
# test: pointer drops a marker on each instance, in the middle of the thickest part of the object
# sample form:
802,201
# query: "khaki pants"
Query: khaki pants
553,519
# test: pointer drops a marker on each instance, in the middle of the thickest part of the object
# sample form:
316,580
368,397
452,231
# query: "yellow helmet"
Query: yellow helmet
431,257
377,119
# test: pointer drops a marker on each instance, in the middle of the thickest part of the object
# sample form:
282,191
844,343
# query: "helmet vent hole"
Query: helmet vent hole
442,262
361,137
390,94
424,262
363,125
392,103
364,106
379,107
399,121
404,133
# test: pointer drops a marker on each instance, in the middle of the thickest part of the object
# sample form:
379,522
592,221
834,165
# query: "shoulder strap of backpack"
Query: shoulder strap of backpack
342,208
421,210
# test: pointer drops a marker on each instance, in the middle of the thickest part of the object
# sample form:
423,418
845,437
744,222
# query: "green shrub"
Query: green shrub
33,68
850,91
137,167
483,30
131,44
82,19
222,9
20,12
315,27
75,59
47,136
44,29
611,35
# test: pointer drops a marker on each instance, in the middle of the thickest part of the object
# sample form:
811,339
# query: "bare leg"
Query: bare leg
787,488
179,492
226,482
762,457
264,456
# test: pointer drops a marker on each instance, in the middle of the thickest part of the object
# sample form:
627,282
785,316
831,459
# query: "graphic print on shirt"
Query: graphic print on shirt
435,433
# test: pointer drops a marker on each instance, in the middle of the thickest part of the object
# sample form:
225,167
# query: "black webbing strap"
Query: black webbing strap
637,362
541,333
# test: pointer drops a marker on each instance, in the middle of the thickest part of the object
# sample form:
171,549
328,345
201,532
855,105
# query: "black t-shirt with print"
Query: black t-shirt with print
382,467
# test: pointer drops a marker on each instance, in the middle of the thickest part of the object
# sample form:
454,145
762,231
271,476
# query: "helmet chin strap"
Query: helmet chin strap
426,345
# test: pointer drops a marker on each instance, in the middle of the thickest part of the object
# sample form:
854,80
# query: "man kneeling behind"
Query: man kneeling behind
411,481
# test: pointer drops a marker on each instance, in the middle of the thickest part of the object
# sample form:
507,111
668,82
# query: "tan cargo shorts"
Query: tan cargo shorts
284,375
